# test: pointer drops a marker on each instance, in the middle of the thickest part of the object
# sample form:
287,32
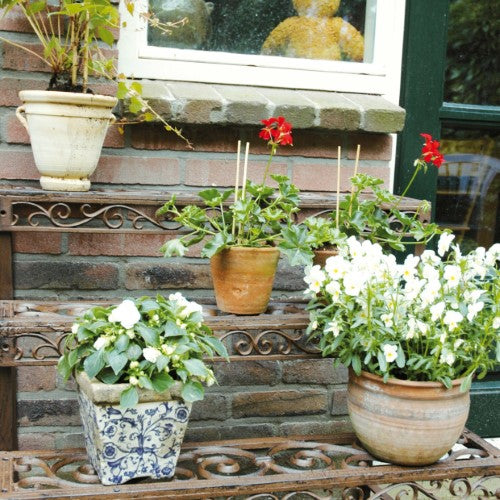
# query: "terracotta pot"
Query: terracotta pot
243,278
404,422
322,254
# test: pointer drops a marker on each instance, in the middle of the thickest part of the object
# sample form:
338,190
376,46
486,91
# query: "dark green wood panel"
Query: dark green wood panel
421,90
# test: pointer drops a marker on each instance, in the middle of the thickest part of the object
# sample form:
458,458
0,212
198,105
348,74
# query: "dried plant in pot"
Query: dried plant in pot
67,123
243,239
139,367
413,335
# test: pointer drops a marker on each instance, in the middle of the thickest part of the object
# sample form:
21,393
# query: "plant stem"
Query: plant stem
272,153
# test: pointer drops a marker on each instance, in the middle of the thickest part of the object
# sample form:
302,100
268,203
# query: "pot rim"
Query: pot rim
404,383
54,96
239,248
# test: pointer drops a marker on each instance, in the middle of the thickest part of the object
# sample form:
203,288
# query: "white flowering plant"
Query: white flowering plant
148,343
434,317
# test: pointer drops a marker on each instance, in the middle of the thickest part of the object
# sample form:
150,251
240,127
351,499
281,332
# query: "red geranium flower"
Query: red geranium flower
277,131
430,151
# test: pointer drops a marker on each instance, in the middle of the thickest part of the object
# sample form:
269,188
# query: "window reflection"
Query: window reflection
313,29
468,187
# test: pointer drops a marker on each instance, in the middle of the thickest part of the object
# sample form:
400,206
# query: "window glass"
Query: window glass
472,74
468,186
310,29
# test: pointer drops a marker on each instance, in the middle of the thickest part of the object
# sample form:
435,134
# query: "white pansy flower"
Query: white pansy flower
315,278
442,338
492,255
126,314
444,243
151,354
387,319
333,288
352,284
447,357
430,273
423,327
472,296
355,249
452,275
335,267
314,325
390,352
437,311
101,342
452,319
430,258
473,309
496,322
458,343
333,327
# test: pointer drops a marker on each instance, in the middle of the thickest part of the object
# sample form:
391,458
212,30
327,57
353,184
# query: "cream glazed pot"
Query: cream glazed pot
67,131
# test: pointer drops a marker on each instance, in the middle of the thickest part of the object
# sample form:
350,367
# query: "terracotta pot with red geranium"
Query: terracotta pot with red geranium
371,212
243,229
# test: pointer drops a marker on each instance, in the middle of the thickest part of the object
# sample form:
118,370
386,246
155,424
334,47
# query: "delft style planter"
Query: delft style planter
127,443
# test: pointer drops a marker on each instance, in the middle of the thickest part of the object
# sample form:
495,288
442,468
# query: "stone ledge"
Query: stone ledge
215,104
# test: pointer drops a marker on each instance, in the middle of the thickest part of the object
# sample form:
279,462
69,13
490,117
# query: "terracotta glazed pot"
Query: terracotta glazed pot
404,422
322,254
243,278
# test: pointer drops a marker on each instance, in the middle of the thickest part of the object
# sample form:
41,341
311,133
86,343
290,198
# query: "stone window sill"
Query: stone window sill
215,104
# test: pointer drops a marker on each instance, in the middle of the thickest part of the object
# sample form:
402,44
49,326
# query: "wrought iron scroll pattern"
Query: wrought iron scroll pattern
267,342
44,347
111,216
288,457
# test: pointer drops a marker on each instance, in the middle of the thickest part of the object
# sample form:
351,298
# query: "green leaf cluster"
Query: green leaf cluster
370,212
261,216
172,329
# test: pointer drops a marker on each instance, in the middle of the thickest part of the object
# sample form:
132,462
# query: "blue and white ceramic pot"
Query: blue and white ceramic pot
127,443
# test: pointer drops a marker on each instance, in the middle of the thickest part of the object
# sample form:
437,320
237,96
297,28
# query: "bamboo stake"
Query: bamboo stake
236,183
356,163
337,215
245,168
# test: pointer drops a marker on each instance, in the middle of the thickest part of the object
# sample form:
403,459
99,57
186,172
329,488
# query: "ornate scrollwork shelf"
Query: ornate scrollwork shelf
268,468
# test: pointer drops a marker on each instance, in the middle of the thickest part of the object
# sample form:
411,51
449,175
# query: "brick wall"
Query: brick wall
253,398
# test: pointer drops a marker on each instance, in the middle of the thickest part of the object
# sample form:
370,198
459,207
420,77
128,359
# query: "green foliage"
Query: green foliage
375,216
472,58
262,217
148,343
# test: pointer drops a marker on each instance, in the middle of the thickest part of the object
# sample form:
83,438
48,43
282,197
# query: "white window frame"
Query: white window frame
382,76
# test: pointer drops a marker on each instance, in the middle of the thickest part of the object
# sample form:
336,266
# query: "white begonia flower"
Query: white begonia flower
101,342
473,309
130,334
390,352
447,357
496,323
437,311
444,243
333,327
151,354
336,267
134,364
133,380
190,308
126,314
452,275
167,349
74,328
387,319
315,278
452,319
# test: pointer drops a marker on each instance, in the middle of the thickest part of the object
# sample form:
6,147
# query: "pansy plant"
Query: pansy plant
435,317
148,343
